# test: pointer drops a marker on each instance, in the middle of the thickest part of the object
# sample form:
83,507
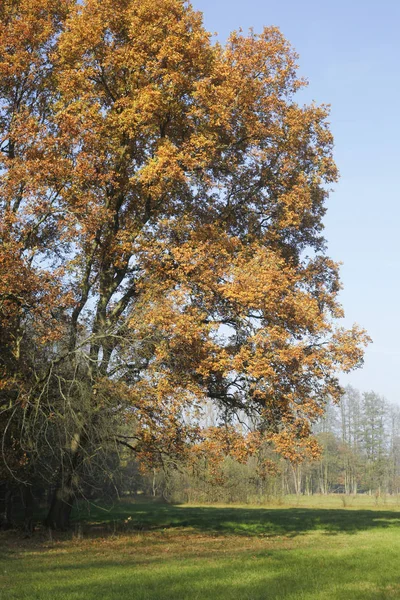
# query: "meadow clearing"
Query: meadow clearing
311,548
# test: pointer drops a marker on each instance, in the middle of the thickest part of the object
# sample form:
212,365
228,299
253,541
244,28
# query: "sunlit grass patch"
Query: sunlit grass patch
222,553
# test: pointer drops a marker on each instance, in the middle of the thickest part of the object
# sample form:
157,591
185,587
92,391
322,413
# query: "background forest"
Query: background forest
360,441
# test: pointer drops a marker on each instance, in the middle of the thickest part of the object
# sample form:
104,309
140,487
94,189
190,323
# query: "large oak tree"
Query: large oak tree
161,198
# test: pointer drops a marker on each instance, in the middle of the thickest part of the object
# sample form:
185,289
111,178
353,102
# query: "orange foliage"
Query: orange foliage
160,192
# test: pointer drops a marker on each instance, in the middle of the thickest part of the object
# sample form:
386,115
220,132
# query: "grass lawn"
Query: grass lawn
160,552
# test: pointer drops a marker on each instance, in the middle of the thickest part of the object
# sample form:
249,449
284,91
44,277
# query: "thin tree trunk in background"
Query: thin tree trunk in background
296,470
154,483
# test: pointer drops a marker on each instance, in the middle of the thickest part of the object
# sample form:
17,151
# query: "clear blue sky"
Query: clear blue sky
350,53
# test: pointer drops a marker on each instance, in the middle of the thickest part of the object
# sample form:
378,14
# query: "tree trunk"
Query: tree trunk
28,502
154,484
296,470
60,509
6,521
63,496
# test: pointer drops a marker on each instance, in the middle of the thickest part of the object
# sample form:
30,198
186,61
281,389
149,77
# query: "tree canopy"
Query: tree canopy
161,203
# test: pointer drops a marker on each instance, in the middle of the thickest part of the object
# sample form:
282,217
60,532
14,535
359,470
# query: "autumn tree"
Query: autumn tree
29,295
168,193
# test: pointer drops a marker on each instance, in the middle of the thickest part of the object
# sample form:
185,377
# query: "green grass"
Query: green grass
160,552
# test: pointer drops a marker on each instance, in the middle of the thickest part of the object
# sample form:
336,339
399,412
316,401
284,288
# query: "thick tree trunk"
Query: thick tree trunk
6,520
60,509
63,497
28,501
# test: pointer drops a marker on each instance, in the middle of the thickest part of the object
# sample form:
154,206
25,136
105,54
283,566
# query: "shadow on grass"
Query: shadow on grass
290,576
231,569
236,521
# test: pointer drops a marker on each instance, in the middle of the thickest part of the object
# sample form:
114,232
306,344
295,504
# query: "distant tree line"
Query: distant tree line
361,446
360,454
